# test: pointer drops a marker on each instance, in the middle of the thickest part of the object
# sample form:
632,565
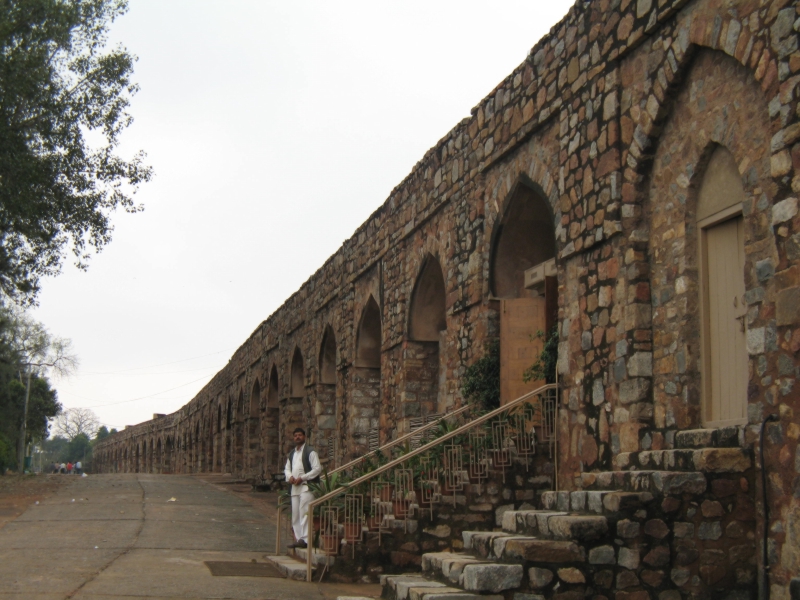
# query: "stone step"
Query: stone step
543,524
597,502
725,437
471,574
317,559
474,582
705,460
659,483
290,567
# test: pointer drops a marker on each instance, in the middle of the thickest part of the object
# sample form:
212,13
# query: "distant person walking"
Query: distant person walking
302,466
63,469
69,467
78,468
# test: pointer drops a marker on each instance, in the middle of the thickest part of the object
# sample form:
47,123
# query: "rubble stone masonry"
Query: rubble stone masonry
612,121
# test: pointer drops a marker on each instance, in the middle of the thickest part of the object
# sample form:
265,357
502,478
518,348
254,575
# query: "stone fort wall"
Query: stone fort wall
612,121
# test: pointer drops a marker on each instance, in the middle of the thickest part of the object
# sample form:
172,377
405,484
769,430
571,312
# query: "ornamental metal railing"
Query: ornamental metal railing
422,429
373,499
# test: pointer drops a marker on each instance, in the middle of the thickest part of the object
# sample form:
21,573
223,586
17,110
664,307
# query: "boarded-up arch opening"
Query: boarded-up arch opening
523,238
364,409
522,276
722,287
325,410
421,354
253,425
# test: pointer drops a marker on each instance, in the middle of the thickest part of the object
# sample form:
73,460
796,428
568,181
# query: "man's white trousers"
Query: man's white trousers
300,515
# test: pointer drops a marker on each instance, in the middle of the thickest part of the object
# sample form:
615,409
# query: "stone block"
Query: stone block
722,460
546,551
491,577
585,528
539,578
627,529
602,555
695,438
571,575
634,390
500,511
629,558
787,307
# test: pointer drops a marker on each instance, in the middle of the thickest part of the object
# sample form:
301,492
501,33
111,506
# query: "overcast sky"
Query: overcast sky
275,129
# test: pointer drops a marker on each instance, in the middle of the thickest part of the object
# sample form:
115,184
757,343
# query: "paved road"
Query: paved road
108,537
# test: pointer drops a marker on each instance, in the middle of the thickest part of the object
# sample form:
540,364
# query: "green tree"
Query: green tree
60,86
29,351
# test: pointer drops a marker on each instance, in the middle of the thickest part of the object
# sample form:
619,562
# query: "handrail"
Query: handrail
422,449
353,463
401,439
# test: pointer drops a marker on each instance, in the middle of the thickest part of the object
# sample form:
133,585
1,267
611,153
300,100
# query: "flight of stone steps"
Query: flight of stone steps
644,531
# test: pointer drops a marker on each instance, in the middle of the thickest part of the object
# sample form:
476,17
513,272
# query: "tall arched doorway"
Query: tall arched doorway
366,394
523,279
721,229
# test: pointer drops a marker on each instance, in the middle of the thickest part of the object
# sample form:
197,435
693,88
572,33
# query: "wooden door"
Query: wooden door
725,380
520,319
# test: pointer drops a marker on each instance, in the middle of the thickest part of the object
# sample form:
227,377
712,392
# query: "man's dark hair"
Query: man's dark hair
299,430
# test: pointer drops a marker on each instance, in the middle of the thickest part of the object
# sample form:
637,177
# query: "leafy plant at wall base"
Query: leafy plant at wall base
545,365
481,383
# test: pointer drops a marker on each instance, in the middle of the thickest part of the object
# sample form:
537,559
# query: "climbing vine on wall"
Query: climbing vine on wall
545,365
481,382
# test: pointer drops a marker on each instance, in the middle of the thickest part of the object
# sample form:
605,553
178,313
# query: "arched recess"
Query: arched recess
297,381
218,442
364,409
720,225
327,357
168,450
325,410
522,276
158,466
271,429
368,341
228,438
254,456
427,322
237,466
716,122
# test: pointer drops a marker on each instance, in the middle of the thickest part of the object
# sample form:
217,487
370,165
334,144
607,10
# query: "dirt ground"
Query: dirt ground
18,492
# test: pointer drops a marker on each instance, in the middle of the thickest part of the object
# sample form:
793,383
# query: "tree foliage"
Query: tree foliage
77,421
28,353
60,86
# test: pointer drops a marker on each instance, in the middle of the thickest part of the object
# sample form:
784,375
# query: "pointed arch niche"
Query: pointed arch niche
364,413
296,409
271,428
423,374
325,408
254,456
522,280
237,466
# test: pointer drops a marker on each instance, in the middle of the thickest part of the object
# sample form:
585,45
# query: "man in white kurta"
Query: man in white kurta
297,474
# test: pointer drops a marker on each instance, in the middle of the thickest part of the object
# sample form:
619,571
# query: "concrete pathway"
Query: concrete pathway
107,537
